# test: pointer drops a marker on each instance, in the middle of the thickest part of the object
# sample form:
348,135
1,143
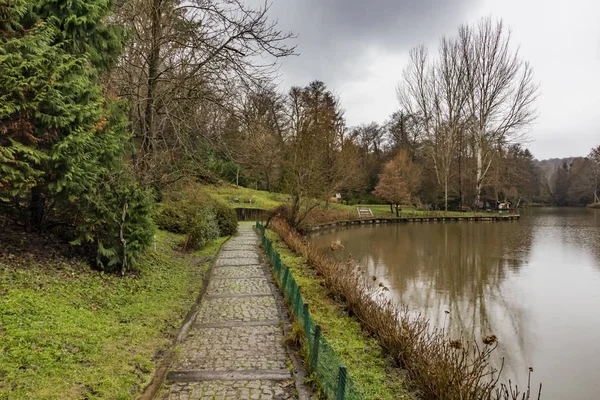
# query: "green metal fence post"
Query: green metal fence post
277,265
297,303
342,383
292,292
301,310
285,278
314,360
306,320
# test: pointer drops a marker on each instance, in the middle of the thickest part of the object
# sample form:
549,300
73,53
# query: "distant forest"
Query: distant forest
569,181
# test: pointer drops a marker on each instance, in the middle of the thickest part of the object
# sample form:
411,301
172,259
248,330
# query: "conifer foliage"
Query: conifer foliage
63,142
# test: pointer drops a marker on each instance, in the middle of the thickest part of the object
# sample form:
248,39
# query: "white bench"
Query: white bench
364,212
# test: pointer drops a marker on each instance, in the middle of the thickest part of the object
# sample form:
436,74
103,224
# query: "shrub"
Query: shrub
314,216
324,216
203,228
226,218
171,216
115,217
126,230
179,208
362,198
193,213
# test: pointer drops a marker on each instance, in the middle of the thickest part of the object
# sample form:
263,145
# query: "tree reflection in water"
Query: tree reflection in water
493,278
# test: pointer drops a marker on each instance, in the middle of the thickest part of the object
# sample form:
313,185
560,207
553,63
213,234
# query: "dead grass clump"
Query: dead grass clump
323,216
440,368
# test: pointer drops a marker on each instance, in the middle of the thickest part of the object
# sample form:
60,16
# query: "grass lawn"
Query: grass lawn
260,198
67,332
269,200
383,211
357,350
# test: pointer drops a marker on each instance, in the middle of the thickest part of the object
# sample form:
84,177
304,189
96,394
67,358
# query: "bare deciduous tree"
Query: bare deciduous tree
405,133
500,92
477,90
188,66
435,91
320,158
259,147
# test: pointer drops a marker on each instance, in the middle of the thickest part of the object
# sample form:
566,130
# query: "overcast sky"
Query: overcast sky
359,49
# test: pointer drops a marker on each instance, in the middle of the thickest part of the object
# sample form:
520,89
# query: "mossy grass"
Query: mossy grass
360,352
69,332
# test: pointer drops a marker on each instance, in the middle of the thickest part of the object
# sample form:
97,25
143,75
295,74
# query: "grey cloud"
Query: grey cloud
357,47
334,35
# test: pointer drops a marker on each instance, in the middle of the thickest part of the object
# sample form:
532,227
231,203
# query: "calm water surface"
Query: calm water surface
534,283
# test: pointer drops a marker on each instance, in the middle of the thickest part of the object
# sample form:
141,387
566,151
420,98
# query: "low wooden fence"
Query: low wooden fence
251,214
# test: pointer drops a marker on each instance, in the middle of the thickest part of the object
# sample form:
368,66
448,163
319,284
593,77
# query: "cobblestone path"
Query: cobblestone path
234,348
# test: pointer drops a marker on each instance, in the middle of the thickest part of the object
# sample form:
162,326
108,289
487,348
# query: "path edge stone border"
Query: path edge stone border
162,368
234,375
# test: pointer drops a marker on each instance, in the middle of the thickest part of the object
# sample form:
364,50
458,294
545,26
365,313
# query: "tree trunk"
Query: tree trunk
391,208
153,65
36,208
122,238
294,211
460,183
397,213
479,175
446,193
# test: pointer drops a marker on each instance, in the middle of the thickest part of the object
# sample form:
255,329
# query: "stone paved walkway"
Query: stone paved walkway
234,349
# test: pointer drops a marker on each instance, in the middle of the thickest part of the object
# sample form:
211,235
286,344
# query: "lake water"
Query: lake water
534,283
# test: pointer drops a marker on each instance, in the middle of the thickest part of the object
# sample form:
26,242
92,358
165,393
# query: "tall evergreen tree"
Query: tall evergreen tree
62,143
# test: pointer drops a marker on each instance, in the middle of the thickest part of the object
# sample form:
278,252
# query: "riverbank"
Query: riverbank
435,218
247,199
438,366
372,371
69,332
